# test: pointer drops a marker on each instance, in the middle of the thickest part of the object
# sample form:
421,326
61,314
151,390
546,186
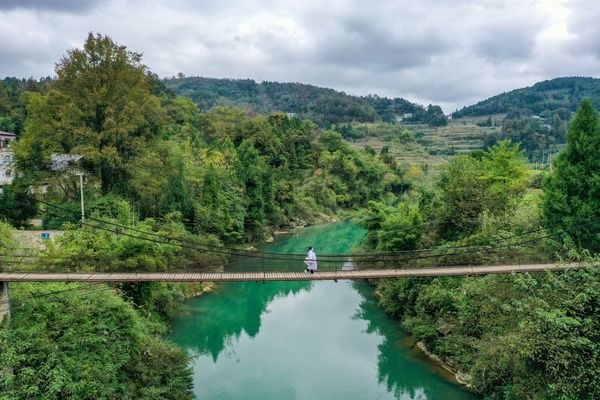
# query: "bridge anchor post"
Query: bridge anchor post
4,302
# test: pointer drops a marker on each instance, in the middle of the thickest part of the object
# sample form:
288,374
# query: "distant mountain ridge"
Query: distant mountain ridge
325,106
543,98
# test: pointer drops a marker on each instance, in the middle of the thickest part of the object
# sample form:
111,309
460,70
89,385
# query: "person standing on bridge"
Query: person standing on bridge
311,261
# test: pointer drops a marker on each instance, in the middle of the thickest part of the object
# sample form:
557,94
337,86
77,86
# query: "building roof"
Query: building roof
7,134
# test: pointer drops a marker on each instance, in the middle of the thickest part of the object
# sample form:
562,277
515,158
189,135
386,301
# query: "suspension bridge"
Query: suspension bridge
427,262
262,276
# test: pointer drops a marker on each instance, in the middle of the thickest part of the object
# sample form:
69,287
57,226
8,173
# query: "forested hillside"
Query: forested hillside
536,116
544,98
322,105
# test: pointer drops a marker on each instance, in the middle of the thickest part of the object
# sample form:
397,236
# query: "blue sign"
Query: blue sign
45,236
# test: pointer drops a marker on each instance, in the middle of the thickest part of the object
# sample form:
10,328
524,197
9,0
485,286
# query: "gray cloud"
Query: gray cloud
446,52
506,42
363,44
583,25
49,5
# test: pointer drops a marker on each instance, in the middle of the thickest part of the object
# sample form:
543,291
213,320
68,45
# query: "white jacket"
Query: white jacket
312,260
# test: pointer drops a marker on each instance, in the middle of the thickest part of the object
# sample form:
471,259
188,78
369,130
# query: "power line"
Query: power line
258,254
449,251
243,253
281,256
286,257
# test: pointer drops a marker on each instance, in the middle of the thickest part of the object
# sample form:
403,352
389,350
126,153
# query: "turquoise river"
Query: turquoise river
303,340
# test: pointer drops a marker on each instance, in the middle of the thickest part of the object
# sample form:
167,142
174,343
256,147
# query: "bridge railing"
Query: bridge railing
272,262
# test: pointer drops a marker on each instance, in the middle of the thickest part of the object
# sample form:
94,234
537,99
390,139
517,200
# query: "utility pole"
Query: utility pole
81,194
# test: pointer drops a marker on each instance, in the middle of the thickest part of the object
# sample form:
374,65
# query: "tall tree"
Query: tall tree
100,106
505,174
252,171
572,191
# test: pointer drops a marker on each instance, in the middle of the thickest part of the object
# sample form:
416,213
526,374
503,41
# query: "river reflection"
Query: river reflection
212,322
303,340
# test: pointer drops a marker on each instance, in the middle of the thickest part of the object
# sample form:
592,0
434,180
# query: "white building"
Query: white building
7,171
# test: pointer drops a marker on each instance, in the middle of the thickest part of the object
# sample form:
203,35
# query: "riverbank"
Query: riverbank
459,377
452,373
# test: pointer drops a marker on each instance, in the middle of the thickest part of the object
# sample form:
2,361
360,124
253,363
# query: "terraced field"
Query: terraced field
459,136
435,145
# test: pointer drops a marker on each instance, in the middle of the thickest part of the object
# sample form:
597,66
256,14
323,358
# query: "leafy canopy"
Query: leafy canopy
101,107
572,191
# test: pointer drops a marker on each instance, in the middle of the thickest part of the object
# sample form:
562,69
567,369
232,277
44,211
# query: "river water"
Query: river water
303,340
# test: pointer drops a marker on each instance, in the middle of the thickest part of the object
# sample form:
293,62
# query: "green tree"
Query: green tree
91,344
462,197
402,229
572,191
505,175
159,179
252,171
100,106
17,205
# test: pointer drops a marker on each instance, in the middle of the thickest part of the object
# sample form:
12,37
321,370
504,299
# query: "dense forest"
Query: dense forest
321,105
153,161
518,336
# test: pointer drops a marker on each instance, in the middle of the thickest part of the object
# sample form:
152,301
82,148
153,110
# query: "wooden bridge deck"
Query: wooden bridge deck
274,276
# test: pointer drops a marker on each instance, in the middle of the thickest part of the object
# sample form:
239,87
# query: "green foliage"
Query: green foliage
159,180
92,249
89,345
462,196
505,176
252,171
492,181
101,250
402,231
560,94
100,107
17,205
518,336
388,132
110,206
572,191
7,244
321,105
434,116
14,96
535,134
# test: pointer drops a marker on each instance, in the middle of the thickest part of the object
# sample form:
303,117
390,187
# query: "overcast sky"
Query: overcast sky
446,52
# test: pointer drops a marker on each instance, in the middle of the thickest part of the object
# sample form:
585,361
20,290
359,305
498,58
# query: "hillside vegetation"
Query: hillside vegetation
518,336
322,105
537,116
543,98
